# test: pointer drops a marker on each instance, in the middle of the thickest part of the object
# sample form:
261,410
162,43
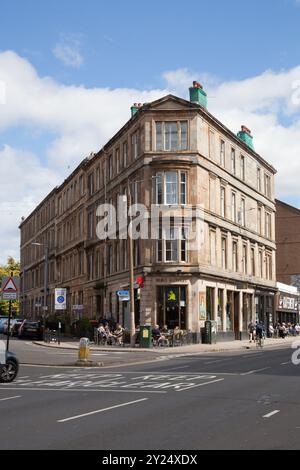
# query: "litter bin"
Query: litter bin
210,332
146,336
84,349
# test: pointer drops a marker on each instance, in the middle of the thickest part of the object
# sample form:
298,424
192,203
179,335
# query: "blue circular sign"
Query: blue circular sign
60,299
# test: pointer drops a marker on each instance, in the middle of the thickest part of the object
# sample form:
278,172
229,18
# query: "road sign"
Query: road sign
10,288
77,307
60,299
123,295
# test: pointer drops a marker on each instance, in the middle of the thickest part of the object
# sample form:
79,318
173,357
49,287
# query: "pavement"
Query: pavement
239,399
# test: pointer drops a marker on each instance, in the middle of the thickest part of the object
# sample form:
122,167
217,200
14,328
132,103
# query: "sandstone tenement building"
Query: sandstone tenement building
172,152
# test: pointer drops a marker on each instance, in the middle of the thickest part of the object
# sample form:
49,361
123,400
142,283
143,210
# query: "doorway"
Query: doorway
171,306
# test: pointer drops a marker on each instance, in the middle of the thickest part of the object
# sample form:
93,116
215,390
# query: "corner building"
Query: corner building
172,152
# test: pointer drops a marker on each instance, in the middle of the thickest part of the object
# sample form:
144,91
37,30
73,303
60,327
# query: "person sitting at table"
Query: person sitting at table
158,337
118,334
102,335
165,330
177,334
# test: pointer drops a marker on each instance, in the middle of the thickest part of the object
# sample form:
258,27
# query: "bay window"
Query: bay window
171,188
171,135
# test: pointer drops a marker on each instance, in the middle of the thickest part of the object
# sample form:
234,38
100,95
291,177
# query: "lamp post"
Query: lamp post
46,260
131,270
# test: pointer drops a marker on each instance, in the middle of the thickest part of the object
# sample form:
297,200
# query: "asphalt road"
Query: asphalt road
29,353
240,400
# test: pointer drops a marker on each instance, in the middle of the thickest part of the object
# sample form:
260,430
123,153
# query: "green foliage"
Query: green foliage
12,266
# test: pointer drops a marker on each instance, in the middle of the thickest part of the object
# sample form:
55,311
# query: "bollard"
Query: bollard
84,349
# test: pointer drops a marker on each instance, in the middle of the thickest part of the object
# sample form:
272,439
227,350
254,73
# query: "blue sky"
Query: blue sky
69,71
131,43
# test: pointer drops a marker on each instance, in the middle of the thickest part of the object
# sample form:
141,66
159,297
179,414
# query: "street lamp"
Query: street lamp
46,258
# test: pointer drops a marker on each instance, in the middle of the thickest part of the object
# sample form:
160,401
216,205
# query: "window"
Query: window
134,145
224,253
183,242
182,188
269,266
125,154
222,153
90,184
243,167
159,188
118,160
109,259
213,248
243,213
183,135
167,189
171,135
259,221
234,256
258,179
172,244
223,202
252,261
233,163
171,184
110,167
233,207
245,259
267,185
98,179
268,231
260,263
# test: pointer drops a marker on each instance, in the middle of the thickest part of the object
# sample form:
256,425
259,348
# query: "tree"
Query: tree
5,271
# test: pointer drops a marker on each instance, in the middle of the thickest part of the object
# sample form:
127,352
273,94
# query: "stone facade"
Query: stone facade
170,151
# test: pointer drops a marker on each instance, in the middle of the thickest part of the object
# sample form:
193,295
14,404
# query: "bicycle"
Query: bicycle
259,340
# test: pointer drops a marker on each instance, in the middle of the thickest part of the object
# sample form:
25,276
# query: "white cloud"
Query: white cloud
68,50
81,120
24,182
269,104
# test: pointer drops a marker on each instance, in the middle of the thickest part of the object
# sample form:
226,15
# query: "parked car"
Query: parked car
31,329
15,324
9,367
2,321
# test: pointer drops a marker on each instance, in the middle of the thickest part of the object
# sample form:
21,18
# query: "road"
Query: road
29,353
237,400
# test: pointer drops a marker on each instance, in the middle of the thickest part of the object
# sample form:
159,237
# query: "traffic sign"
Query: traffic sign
60,299
9,288
123,295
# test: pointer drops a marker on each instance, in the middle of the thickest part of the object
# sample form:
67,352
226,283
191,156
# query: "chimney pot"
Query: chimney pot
246,129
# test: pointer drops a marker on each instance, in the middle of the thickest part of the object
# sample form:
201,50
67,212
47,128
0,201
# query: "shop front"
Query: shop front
265,307
172,306
287,304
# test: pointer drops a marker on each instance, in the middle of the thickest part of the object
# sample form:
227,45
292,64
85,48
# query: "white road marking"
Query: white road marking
256,370
200,385
50,389
10,398
271,414
102,410
179,367
284,363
